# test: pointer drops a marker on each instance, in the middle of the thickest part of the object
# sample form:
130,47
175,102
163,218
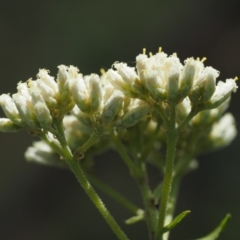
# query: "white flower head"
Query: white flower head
136,111
93,84
41,110
128,74
224,131
62,75
47,79
172,69
116,80
10,109
186,77
80,93
112,107
222,93
26,110
64,79
207,83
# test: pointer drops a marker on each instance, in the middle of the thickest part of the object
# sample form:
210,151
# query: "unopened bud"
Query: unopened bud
7,125
112,107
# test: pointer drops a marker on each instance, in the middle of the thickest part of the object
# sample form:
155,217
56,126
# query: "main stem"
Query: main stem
74,165
172,137
76,169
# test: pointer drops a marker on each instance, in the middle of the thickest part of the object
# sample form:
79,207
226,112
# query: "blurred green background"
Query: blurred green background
38,202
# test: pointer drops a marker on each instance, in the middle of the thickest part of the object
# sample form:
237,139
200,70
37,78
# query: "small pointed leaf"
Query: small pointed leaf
175,221
216,232
137,218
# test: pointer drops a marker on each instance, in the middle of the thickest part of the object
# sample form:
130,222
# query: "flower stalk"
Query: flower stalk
172,137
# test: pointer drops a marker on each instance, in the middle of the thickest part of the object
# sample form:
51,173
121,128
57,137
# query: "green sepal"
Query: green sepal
216,232
175,222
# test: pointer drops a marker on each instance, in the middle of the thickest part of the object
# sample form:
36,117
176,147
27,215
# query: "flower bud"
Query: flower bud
224,131
141,66
10,109
25,110
172,69
186,78
207,83
112,107
154,83
7,125
221,94
48,94
47,79
135,114
42,153
95,93
41,110
116,80
80,94
128,74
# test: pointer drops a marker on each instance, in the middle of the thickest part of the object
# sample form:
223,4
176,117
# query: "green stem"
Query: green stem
150,213
121,150
78,172
73,163
139,173
61,136
92,140
172,137
162,113
172,201
55,145
186,120
149,145
114,194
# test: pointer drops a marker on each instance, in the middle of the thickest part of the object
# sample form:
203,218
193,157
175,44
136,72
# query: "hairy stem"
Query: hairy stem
113,194
73,164
172,137
78,172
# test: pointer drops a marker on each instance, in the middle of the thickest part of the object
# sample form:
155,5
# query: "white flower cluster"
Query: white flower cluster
121,97
166,79
38,103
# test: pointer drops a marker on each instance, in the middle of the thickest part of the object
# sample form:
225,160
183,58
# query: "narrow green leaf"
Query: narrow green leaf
216,232
175,221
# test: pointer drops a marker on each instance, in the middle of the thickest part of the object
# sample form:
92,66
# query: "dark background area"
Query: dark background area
38,202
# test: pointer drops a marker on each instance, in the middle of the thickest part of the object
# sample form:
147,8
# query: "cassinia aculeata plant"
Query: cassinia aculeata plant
162,113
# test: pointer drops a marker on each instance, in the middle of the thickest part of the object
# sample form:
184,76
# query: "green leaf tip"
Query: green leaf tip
175,221
137,218
216,232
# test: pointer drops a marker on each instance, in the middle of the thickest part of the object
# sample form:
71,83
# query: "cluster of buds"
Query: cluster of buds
105,105
122,97
37,103
165,78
